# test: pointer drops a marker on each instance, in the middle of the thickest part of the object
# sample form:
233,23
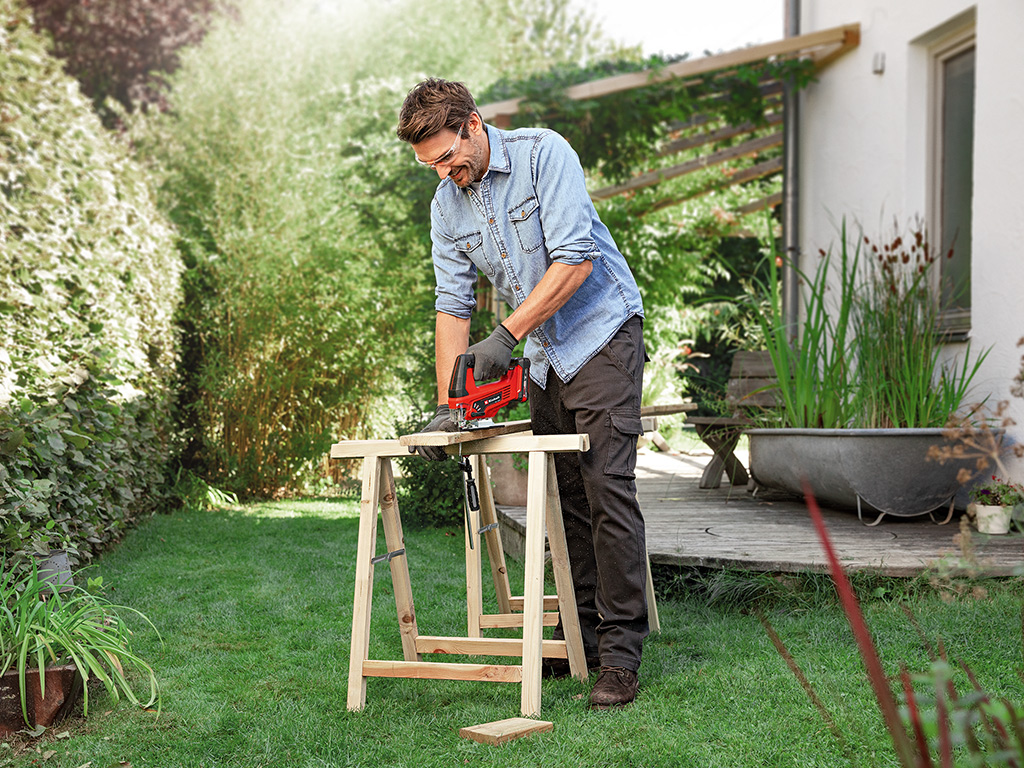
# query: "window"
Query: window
952,177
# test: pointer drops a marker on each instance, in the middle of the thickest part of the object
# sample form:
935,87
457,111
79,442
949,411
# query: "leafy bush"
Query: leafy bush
88,285
431,493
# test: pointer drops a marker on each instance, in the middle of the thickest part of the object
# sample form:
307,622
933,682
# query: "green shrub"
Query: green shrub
88,286
431,493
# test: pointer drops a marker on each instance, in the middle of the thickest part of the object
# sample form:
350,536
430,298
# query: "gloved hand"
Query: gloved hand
493,354
442,422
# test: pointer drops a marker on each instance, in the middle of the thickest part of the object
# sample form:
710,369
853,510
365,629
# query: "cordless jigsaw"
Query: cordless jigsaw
469,401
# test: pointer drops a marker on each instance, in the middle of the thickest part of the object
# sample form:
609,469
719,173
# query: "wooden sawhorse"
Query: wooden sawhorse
378,494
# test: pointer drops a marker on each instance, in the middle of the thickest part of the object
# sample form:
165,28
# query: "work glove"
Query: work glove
493,354
442,422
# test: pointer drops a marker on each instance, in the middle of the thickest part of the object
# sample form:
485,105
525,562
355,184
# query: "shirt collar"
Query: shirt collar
500,160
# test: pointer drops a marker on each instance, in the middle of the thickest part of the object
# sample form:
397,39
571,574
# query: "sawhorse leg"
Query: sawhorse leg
378,491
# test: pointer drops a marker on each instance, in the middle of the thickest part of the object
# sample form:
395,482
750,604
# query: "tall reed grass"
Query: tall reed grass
868,352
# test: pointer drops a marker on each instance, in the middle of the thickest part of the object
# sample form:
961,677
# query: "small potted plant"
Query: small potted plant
992,504
54,638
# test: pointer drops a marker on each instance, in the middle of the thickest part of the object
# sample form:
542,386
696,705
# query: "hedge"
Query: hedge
89,283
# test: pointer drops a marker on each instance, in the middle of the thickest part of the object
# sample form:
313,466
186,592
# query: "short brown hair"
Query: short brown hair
432,106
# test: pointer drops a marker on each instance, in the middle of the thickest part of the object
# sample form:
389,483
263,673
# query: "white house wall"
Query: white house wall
864,153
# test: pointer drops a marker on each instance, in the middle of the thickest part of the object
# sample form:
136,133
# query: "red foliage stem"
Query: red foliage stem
869,655
915,718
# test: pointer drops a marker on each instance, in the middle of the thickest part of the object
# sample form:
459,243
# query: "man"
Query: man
514,205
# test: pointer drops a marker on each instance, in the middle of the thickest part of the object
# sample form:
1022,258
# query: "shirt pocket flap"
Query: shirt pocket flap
524,210
468,243
627,423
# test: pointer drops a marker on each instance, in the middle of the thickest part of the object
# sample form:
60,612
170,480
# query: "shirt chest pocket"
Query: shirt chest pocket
468,243
525,219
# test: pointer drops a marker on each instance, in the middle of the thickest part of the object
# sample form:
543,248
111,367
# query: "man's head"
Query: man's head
440,120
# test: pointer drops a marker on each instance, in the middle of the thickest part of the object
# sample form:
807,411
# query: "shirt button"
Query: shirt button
546,344
490,221
517,287
523,214
504,255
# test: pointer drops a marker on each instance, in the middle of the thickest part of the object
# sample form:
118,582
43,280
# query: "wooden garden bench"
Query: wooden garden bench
750,373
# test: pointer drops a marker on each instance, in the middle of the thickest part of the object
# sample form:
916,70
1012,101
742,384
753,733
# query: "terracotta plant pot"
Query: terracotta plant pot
63,688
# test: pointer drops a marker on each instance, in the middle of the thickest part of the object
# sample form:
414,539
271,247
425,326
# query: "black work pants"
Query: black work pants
604,527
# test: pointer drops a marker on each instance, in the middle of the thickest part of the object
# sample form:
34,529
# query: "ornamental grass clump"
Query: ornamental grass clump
42,625
902,379
868,352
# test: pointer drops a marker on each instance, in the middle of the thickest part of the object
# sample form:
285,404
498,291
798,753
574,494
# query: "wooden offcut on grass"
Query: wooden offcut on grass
254,607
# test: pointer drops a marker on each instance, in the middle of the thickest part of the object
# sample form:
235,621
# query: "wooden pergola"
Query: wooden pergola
700,132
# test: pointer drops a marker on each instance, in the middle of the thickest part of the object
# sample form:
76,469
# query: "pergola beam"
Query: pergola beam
651,178
758,171
823,46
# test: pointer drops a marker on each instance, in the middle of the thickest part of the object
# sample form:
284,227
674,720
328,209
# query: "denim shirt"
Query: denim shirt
532,209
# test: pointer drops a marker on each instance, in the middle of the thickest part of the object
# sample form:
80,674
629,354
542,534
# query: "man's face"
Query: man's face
460,155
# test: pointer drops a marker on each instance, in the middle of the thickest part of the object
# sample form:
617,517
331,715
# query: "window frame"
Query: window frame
955,323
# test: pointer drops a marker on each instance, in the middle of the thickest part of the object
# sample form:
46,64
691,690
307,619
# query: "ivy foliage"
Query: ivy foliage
619,132
88,286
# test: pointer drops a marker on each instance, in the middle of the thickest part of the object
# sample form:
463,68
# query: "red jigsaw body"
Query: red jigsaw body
469,401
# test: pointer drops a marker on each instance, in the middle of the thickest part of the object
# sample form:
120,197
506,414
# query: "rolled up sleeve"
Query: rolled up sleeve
565,207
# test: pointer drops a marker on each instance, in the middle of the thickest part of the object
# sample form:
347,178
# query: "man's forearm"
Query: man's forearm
451,340
557,286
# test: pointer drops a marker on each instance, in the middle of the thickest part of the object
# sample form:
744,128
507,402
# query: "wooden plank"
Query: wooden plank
721,134
395,541
563,576
486,646
653,619
550,603
844,37
363,598
509,620
466,436
357,449
754,363
533,583
525,444
432,670
505,730
756,171
752,147
664,410
768,201
495,551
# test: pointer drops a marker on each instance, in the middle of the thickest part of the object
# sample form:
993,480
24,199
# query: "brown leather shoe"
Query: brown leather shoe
553,669
615,687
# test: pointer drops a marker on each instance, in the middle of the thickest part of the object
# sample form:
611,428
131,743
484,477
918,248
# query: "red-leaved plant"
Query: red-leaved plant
991,731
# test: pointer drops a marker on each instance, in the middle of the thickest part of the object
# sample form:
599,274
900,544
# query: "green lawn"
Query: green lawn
254,606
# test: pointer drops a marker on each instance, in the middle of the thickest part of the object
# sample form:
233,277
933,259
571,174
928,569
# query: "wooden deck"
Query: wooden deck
730,528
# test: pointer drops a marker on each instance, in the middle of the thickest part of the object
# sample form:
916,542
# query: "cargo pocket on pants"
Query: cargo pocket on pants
625,429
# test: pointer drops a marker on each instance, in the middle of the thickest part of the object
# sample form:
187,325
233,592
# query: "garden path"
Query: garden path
730,528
